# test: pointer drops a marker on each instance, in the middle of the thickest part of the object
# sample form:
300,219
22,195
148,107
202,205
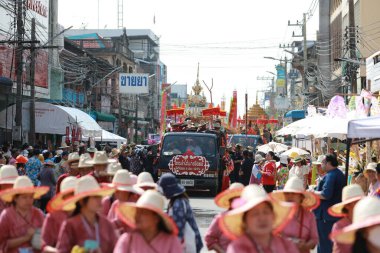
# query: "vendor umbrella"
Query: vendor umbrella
295,150
273,146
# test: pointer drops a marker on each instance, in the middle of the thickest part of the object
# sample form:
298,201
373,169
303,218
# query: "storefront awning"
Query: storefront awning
296,114
101,116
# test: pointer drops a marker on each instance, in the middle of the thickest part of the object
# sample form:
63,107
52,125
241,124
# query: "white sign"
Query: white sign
373,72
133,83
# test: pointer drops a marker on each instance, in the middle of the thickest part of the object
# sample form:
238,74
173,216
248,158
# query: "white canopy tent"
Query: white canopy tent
364,128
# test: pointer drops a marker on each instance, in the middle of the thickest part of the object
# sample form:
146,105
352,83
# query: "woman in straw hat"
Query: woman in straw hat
71,167
302,228
21,221
371,174
145,181
85,228
364,232
254,221
84,167
351,194
56,216
214,238
8,175
154,230
100,163
299,170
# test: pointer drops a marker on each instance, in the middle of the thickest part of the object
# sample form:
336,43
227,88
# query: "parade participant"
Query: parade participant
114,154
91,151
237,158
145,181
56,216
253,221
8,175
246,168
21,222
256,170
20,164
215,239
179,209
364,232
33,167
350,196
72,169
299,170
371,174
46,177
302,228
154,230
268,172
329,191
86,228
100,163
282,172
84,167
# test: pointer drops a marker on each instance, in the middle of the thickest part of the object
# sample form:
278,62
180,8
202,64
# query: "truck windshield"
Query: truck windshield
199,145
245,140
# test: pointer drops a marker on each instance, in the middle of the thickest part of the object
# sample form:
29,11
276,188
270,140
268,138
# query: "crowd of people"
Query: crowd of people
85,200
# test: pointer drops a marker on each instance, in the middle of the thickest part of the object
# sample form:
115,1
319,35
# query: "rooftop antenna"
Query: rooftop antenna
120,14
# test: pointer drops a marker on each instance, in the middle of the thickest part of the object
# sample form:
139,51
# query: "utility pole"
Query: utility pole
19,66
352,35
32,130
136,117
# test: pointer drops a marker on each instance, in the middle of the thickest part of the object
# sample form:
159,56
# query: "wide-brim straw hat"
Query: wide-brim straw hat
114,152
145,179
234,191
112,168
73,157
23,185
100,157
371,167
83,161
253,195
366,214
87,186
67,186
150,200
295,185
351,193
297,159
122,181
8,174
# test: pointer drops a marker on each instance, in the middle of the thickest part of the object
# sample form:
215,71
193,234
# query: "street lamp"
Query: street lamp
286,70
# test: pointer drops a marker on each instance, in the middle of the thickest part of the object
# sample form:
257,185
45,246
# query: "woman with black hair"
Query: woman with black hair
269,172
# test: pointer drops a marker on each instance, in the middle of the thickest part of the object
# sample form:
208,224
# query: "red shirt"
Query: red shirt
269,173
52,222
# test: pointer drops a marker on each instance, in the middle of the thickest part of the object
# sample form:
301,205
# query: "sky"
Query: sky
229,39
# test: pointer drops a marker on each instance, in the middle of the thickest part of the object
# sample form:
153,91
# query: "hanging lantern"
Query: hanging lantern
67,138
73,134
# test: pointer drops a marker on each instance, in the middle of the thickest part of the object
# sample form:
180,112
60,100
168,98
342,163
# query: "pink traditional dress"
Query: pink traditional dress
215,236
13,225
340,247
302,226
134,242
76,230
3,205
245,245
106,205
114,218
51,227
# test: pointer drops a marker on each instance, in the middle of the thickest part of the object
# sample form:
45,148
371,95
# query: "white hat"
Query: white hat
145,179
58,152
23,185
100,157
67,186
83,161
112,168
150,200
351,193
73,157
259,158
122,181
234,191
371,166
8,174
319,160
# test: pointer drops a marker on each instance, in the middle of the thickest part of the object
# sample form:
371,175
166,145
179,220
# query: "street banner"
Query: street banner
133,83
232,118
280,82
164,96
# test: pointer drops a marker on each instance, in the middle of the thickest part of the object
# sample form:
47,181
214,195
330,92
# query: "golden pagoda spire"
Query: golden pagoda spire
257,97
197,88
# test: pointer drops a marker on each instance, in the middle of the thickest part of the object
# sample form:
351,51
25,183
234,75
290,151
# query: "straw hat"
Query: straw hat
21,159
100,157
73,157
370,166
150,200
145,179
295,185
293,155
319,160
23,185
114,152
252,195
122,181
112,168
83,161
259,158
92,150
133,178
8,174
351,193
297,159
67,186
366,214
234,191
87,186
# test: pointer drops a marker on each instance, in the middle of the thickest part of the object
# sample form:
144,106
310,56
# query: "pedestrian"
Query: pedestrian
100,163
215,239
14,154
8,175
20,165
253,222
237,158
256,170
329,191
180,210
72,169
55,218
350,196
21,222
268,172
123,157
145,181
302,228
371,174
86,228
246,168
62,165
84,167
154,230
300,170
364,232
46,177
282,172
33,167
91,151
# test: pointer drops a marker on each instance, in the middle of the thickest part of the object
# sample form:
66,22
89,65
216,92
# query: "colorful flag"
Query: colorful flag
164,97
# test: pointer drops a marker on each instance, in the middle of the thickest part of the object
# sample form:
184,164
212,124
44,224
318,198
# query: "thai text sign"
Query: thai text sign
189,164
133,83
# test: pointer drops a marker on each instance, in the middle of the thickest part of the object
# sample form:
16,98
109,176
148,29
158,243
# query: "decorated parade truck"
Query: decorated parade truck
195,158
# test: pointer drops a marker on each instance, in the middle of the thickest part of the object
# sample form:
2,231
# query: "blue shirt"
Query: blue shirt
32,168
331,187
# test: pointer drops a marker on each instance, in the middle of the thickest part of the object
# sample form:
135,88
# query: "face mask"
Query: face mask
374,235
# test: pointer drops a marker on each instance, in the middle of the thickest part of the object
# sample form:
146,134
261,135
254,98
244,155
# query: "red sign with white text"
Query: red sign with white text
189,164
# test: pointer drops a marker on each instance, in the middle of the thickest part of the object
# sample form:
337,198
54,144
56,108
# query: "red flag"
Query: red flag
163,113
